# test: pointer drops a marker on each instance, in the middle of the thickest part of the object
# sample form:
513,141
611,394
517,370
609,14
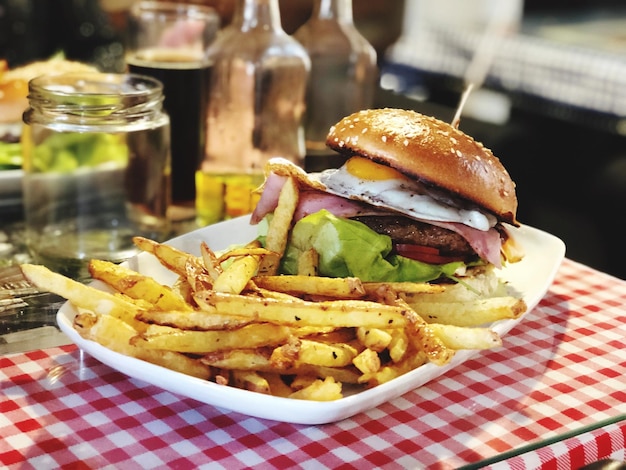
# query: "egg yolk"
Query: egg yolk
368,170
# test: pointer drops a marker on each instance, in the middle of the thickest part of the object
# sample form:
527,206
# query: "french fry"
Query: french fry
199,321
115,334
458,337
426,340
235,277
240,359
399,344
182,287
374,338
367,361
137,286
308,262
302,381
407,288
170,257
391,371
301,351
230,319
324,354
346,375
279,226
285,356
312,331
202,342
337,313
250,380
471,313
197,276
257,359
334,287
278,387
339,335
184,264
81,295
252,249
320,390
417,329
210,260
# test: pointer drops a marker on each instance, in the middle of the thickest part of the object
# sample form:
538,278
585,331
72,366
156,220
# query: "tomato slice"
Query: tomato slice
425,254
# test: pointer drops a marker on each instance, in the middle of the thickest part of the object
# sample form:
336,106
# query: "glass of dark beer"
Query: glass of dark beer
168,41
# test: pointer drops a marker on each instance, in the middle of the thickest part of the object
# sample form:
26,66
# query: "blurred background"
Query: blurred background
552,107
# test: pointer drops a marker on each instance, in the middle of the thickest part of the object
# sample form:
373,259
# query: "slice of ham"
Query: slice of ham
310,202
314,200
487,244
269,198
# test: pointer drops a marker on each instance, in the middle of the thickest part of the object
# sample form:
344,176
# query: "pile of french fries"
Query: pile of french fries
229,318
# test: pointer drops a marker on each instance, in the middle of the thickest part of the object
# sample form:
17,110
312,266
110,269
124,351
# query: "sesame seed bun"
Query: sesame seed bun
14,83
430,150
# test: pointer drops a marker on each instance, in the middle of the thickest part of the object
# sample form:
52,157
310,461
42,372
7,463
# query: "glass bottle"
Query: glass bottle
256,101
343,74
96,166
168,41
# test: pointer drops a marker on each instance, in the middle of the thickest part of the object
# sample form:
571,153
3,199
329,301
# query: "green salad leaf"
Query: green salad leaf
64,152
350,248
10,156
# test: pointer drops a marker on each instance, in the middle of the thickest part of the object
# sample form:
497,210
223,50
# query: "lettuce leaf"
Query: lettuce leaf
10,155
349,248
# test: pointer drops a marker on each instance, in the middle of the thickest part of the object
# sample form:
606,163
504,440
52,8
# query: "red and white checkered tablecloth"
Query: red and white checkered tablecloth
562,369
605,442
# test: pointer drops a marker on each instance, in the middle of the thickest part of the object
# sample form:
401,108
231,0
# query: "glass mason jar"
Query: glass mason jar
256,100
96,168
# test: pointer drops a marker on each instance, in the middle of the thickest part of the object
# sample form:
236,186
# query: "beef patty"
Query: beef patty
406,230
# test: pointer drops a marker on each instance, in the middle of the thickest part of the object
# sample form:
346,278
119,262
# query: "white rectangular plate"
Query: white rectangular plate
531,277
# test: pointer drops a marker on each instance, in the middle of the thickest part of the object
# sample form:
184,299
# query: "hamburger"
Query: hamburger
14,83
14,101
417,200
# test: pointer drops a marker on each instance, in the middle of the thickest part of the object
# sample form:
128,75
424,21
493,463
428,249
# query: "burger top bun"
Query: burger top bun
14,83
430,150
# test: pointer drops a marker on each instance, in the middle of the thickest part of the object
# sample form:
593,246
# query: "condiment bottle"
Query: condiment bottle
256,101
343,74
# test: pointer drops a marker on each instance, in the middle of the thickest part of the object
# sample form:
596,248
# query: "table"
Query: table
554,393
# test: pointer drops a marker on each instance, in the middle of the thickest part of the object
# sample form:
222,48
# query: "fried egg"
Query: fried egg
382,186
